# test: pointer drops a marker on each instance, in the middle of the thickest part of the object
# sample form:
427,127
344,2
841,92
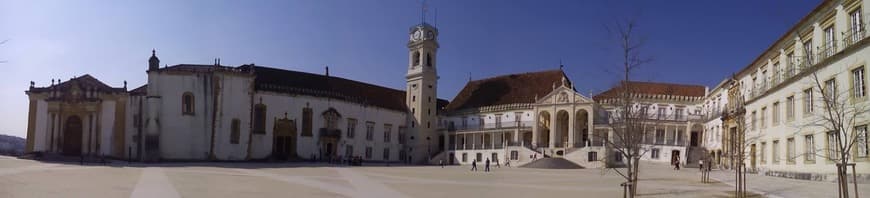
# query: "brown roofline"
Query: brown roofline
322,75
506,75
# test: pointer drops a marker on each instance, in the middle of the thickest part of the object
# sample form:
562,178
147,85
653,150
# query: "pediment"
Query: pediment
564,95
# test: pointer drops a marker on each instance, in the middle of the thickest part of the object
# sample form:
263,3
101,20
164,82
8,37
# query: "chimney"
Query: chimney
327,71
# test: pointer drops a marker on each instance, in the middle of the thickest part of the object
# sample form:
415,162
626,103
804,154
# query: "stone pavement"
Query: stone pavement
784,187
25,178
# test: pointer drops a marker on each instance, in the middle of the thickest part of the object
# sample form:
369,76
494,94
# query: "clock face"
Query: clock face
418,35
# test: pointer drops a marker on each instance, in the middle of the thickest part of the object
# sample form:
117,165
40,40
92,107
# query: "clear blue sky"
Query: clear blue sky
696,42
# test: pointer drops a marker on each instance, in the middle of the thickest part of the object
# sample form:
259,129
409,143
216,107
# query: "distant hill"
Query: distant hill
11,145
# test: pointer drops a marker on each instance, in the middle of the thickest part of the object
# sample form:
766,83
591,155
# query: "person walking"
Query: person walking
486,168
507,163
677,164
441,162
497,165
701,165
473,165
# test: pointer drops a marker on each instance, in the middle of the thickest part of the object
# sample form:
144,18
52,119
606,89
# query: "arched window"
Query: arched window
416,58
428,59
187,103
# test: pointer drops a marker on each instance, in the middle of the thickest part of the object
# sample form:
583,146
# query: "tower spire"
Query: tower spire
423,9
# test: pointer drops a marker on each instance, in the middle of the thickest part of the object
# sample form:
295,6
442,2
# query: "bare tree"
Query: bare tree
837,118
738,137
628,123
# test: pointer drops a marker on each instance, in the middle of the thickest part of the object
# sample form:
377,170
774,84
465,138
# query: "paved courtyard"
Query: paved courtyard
25,178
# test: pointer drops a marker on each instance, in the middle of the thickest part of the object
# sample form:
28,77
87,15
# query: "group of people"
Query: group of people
486,164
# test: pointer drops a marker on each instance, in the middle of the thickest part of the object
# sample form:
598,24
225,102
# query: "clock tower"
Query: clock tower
421,95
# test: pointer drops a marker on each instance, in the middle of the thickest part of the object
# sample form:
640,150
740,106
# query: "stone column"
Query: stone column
553,129
536,121
571,129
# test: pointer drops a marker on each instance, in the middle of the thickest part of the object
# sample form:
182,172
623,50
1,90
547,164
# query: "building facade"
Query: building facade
776,103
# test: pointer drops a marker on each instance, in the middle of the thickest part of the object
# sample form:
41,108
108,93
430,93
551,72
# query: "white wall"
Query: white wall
277,104
107,126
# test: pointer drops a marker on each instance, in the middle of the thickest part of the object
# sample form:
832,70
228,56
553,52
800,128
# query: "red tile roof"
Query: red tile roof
656,88
141,91
507,89
286,81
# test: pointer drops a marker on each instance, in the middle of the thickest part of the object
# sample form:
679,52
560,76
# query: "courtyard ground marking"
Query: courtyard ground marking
154,183
302,181
492,184
10,171
366,187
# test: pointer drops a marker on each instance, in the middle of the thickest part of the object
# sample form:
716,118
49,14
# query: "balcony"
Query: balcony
853,35
493,126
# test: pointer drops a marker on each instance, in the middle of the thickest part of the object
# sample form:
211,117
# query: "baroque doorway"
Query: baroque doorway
284,139
72,136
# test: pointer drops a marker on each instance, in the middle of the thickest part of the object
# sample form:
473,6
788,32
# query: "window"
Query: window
809,148
753,121
351,127
515,155
789,152
386,154
401,135
235,131
830,90
776,73
660,136
763,154
388,128
861,141
829,41
592,156
775,113
348,151
857,29
762,121
680,135
260,119
464,122
368,152
789,66
858,87
678,114
494,157
498,120
416,58
789,108
370,131
465,157
833,151
306,122
478,157
661,114
655,153
428,59
775,151
808,52
808,101
187,103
